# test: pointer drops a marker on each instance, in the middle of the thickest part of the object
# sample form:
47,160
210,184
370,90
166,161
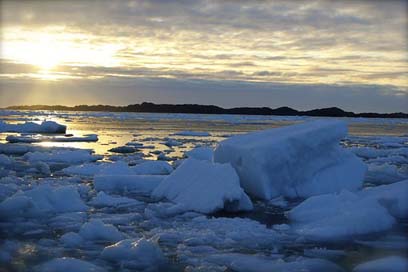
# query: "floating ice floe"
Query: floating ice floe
121,168
121,183
389,264
373,153
384,174
21,149
221,232
96,230
63,156
341,216
253,263
192,133
296,161
390,241
123,149
324,253
171,142
41,201
71,239
135,144
394,197
201,153
30,127
38,139
5,160
204,187
105,200
135,254
68,264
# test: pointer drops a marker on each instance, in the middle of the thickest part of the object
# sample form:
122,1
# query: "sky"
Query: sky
302,54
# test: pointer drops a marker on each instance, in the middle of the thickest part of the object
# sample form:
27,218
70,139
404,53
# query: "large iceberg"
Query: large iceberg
204,187
295,161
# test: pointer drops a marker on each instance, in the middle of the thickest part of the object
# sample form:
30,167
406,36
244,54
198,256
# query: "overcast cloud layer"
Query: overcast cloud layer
304,54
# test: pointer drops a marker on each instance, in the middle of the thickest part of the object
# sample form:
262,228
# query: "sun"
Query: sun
44,55
42,52
47,63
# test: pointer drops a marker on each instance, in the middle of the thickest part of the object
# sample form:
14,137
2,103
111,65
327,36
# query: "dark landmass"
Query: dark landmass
211,109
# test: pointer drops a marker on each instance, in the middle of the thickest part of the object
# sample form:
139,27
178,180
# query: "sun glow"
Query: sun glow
54,51
42,52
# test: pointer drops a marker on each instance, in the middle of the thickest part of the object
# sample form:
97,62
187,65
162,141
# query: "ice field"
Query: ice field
91,191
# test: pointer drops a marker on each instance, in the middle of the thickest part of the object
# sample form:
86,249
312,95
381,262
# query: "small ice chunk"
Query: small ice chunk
255,263
171,142
96,230
62,156
39,139
5,160
201,153
139,254
68,264
135,144
383,174
103,200
192,133
295,161
341,216
324,253
71,239
389,264
119,183
390,241
91,169
121,168
152,168
123,149
204,187
30,127
163,157
42,200
392,196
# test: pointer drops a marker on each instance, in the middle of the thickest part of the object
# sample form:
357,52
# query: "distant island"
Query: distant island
211,109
